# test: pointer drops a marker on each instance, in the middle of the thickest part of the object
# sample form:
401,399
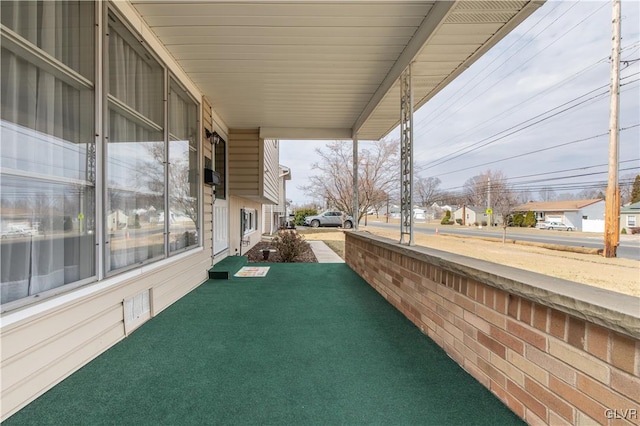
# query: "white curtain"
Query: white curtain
41,134
135,152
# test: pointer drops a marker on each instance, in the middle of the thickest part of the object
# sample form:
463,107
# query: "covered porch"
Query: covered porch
307,344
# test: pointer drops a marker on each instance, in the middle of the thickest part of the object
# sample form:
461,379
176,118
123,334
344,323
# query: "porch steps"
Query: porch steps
227,267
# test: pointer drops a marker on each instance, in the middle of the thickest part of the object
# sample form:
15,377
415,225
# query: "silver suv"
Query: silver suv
328,218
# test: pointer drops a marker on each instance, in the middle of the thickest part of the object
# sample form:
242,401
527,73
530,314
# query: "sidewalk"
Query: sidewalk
323,253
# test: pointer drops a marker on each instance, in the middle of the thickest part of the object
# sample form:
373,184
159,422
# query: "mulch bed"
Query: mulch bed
255,255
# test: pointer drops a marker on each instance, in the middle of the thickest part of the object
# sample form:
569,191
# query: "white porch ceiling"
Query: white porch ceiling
325,69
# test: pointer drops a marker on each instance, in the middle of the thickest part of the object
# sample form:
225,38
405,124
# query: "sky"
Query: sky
556,60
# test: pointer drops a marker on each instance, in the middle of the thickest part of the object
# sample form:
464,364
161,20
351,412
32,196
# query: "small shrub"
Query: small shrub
529,219
518,219
290,245
624,231
446,219
459,221
302,213
484,223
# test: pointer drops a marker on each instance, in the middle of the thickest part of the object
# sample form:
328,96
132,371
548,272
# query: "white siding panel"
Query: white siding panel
271,149
75,324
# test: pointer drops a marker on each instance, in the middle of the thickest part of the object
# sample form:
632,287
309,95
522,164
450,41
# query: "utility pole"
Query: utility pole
489,200
612,201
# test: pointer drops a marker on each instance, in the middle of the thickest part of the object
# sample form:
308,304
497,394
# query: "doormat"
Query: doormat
252,271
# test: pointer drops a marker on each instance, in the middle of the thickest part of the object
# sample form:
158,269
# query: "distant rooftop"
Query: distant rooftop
556,205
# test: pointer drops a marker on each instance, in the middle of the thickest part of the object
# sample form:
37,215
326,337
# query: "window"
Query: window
249,224
49,160
631,220
47,189
220,148
183,166
135,208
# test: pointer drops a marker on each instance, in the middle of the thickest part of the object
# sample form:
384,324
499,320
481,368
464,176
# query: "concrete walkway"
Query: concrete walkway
323,253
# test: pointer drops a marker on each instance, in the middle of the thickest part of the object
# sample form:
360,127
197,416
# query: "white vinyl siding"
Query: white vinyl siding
271,169
253,166
45,342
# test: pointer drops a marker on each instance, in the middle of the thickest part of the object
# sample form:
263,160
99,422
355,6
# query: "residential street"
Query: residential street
629,244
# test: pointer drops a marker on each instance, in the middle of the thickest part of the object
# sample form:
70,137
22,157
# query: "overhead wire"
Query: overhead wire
487,123
555,40
483,142
472,79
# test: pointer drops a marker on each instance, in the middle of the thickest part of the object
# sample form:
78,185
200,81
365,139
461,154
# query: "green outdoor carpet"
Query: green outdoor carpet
308,344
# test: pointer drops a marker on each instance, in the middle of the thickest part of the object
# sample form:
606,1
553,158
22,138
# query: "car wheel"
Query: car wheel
569,229
348,224
315,223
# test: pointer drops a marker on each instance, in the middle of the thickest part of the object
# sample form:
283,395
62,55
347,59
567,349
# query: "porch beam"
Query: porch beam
428,26
305,133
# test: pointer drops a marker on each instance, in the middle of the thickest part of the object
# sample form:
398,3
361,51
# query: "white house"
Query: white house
470,215
274,215
583,215
630,217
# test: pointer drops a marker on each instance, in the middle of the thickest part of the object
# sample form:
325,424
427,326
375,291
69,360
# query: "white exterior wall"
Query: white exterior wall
45,342
252,238
573,219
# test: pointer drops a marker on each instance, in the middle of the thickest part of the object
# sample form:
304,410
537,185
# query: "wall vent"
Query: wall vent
137,310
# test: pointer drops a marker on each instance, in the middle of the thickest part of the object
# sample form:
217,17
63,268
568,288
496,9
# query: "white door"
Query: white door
220,226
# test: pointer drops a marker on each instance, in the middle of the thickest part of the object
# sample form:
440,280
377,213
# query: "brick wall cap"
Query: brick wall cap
616,311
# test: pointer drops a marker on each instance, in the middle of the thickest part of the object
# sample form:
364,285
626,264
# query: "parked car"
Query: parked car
557,225
328,218
18,231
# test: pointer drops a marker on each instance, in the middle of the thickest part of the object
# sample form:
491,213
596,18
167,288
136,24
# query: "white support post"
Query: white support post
406,158
356,205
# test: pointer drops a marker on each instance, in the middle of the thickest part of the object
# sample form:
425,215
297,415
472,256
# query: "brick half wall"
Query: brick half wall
554,351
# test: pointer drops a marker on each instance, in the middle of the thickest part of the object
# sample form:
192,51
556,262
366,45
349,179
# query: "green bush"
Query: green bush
529,219
518,219
446,219
459,221
302,213
624,231
290,245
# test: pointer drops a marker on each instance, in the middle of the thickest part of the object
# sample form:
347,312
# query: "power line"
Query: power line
453,96
536,151
480,143
477,145
533,56
488,122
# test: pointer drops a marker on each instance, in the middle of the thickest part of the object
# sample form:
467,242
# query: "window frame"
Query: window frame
250,220
47,63
199,161
109,100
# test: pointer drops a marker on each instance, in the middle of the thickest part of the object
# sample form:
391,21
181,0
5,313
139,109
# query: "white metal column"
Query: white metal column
356,205
406,158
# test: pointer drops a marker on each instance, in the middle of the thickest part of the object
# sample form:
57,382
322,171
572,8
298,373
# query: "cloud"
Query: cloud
558,54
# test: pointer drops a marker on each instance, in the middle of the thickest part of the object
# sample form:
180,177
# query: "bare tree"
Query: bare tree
628,184
547,194
503,207
426,191
592,193
378,175
524,196
478,189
